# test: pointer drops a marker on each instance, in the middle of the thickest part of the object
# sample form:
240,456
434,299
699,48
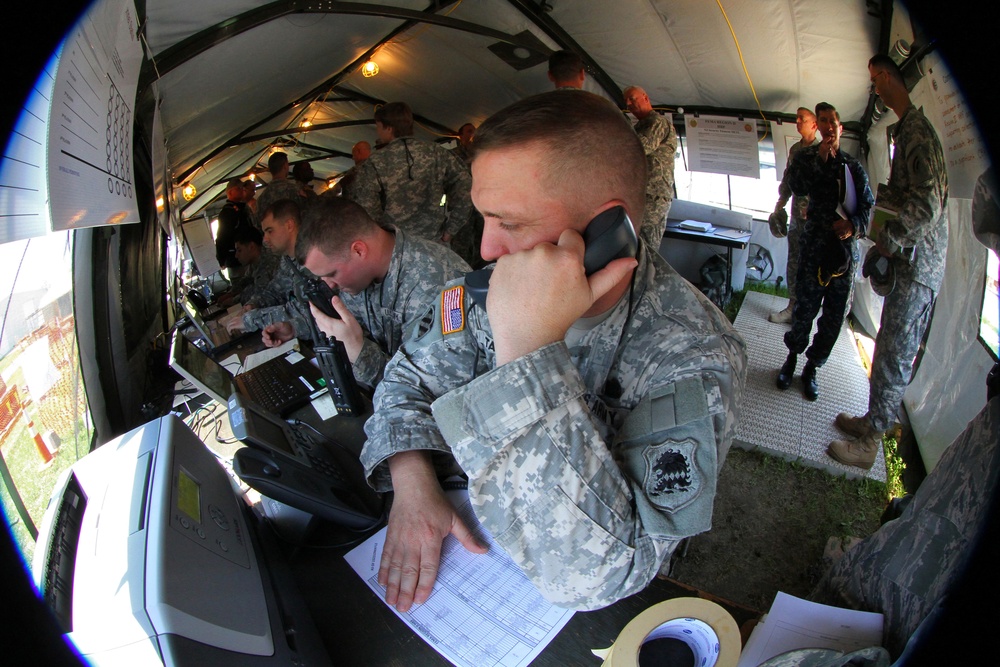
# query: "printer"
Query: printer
148,556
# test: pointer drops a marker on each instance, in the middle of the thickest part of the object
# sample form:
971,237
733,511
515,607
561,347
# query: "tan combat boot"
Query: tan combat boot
782,316
856,427
861,452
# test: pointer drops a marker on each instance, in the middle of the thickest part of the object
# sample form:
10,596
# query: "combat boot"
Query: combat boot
861,452
783,316
856,427
809,385
787,371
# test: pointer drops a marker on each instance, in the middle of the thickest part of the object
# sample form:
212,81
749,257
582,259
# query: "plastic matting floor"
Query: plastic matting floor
784,423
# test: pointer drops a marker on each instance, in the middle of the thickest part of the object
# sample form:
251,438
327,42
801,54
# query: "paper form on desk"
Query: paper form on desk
257,358
483,610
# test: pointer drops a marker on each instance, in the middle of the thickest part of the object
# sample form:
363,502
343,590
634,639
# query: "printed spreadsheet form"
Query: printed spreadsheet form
483,610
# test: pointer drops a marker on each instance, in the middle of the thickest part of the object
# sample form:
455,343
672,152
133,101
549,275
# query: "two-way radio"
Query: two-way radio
330,353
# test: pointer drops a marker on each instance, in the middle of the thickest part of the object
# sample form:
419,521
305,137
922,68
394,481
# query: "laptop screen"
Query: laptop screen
200,369
197,321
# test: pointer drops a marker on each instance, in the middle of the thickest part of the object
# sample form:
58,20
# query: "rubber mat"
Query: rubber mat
785,423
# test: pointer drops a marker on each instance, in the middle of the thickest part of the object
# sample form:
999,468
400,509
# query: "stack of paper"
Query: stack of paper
697,226
793,623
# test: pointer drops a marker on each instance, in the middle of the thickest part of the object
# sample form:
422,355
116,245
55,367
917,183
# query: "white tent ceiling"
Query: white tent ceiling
234,77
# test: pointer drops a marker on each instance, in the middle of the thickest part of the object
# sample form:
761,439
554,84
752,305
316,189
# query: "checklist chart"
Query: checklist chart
90,137
483,610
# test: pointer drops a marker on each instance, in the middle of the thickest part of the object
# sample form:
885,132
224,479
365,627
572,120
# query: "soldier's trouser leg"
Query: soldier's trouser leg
794,245
654,222
905,315
835,302
807,303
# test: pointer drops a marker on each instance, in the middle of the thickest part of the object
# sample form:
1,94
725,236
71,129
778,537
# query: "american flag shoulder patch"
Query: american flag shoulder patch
452,310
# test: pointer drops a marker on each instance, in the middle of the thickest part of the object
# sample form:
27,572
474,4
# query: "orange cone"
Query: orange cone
43,449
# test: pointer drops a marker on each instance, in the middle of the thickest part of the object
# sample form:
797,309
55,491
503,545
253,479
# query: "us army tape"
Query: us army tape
708,630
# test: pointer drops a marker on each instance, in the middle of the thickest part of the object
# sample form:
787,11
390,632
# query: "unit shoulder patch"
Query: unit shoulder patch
670,480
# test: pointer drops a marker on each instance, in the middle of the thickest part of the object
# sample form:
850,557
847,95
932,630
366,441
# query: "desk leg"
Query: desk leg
728,293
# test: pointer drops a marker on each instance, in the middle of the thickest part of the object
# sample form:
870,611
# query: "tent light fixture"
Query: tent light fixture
369,69
189,192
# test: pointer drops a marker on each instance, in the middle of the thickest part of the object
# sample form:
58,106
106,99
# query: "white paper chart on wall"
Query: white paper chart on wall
90,173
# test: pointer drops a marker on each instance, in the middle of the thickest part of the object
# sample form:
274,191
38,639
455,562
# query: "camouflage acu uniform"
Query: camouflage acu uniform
589,461
797,220
808,175
417,271
659,141
258,275
918,191
401,184
285,188
908,566
468,239
277,302
345,186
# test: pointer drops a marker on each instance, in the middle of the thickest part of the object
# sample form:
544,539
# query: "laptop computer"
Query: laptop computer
280,385
215,335
207,309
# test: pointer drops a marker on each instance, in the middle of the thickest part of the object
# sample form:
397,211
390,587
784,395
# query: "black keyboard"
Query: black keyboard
275,387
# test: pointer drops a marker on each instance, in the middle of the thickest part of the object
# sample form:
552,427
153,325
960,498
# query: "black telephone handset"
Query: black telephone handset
610,235
295,468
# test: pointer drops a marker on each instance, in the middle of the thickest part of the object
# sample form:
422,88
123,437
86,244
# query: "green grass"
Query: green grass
733,307
33,479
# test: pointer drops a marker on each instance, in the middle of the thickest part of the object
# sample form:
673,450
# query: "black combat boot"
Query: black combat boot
787,371
809,386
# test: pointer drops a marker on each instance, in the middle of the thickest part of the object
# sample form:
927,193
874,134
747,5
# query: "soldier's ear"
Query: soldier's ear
360,249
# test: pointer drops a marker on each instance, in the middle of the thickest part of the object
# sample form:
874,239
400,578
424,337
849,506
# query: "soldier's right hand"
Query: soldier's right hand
778,222
277,333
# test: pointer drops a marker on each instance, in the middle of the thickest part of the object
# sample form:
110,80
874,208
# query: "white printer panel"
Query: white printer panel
163,550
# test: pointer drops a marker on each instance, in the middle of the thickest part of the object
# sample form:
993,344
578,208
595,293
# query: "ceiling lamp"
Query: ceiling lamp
304,124
369,69
189,192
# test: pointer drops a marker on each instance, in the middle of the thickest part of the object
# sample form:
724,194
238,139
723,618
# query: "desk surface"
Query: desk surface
358,628
674,232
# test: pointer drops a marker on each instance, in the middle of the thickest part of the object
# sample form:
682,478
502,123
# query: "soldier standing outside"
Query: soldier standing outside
915,243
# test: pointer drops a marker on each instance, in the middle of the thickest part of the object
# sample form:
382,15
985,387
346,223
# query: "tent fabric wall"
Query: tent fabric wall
950,385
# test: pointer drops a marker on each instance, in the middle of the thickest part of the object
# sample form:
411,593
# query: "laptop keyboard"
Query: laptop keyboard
273,386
